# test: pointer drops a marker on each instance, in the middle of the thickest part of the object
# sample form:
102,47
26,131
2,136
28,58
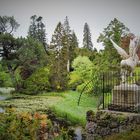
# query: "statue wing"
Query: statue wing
133,46
121,51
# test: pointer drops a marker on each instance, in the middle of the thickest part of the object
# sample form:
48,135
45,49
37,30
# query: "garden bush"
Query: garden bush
24,126
74,81
38,81
5,79
82,72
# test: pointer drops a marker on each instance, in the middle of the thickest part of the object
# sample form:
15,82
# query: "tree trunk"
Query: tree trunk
68,65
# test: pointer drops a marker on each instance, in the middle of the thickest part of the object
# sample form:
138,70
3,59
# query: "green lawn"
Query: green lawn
63,104
68,107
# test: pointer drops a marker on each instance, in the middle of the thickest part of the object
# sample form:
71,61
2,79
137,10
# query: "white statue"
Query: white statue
131,60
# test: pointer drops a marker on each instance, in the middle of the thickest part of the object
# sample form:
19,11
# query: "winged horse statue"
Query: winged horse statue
131,60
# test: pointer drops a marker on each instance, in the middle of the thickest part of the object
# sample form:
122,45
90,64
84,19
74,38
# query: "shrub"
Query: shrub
74,81
82,73
83,67
23,125
5,79
38,81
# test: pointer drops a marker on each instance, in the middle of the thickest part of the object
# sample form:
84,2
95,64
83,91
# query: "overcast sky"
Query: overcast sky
97,13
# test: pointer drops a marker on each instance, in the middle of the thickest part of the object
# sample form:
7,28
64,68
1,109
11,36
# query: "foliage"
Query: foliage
9,46
83,66
71,43
114,30
86,52
73,47
74,81
37,30
82,72
64,106
38,81
8,24
23,58
31,57
130,135
29,126
5,79
58,59
87,43
7,42
8,53
86,87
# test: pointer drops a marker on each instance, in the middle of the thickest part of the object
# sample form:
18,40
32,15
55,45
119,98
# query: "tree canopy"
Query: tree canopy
114,30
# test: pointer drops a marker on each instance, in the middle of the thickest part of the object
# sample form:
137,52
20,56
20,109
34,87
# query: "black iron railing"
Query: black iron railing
121,96
113,93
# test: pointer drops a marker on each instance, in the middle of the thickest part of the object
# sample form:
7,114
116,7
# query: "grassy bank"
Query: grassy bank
63,104
130,135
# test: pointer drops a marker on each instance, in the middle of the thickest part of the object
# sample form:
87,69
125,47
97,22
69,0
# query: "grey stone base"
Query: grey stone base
126,97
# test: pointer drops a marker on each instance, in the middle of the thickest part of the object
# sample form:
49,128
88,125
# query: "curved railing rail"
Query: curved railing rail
83,91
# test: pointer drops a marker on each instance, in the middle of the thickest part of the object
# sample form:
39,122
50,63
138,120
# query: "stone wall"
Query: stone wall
105,123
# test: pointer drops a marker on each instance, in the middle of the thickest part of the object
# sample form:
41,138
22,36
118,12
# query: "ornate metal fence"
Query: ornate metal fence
113,94
120,96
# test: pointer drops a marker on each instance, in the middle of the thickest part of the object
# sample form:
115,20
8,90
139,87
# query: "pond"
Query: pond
5,93
5,90
3,96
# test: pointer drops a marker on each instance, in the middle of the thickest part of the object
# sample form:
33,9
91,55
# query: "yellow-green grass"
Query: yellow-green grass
69,109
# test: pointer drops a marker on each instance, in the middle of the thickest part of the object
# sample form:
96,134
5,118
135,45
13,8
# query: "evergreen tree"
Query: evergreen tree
31,56
87,43
8,47
67,41
33,27
71,43
8,24
115,30
74,40
58,59
73,48
37,30
41,30
67,27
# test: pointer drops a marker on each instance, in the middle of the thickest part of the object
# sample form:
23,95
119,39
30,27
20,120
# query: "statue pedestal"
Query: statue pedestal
126,97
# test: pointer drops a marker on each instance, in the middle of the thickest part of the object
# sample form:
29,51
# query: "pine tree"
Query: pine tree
58,59
41,35
67,26
87,43
33,27
37,30
67,41
70,42
73,48
74,40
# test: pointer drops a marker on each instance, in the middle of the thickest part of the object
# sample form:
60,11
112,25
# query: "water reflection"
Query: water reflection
2,110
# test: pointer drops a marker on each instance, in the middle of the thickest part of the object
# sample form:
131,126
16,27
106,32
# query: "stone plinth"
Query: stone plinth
126,97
